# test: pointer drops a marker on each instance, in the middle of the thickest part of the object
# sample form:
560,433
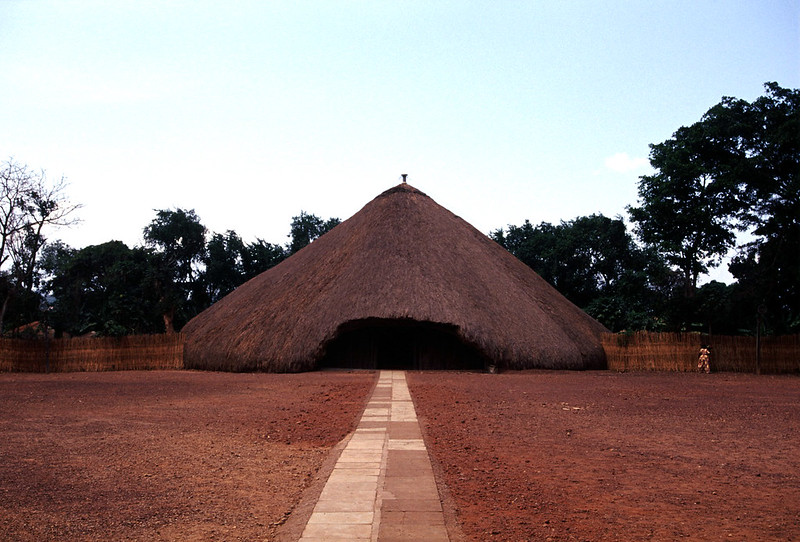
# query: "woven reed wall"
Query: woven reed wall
645,351
128,353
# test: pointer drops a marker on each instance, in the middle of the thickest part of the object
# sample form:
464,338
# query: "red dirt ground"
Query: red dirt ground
524,456
165,455
611,456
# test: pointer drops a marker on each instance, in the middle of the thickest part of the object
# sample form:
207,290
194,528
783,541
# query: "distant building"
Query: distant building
403,283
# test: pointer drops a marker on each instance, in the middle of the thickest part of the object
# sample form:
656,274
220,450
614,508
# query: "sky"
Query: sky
250,112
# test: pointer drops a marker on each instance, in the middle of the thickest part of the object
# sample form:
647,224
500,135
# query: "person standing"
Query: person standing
703,361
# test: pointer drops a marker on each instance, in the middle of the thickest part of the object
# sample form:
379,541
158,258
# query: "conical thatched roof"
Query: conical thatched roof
401,258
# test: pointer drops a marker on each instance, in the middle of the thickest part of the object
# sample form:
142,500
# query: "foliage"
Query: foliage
259,256
689,207
736,168
178,240
223,266
30,205
229,262
769,267
106,289
113,290
305,228
594,263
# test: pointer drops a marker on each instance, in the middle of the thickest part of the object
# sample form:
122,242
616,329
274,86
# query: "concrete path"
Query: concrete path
382,487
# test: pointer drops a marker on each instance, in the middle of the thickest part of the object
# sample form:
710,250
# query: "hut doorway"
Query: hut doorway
400,345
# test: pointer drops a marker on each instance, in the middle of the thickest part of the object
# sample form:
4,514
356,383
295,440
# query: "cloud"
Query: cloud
622,163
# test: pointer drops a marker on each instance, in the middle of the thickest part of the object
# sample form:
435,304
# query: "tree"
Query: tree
714,309
689,208
737,168
594,263
178,239
259,256
769,267
537,247
30,204
306,228
106,289
229,262
224,269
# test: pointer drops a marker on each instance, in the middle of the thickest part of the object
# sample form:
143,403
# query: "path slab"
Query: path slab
382,487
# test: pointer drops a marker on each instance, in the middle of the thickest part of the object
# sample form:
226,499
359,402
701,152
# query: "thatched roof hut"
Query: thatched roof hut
403,283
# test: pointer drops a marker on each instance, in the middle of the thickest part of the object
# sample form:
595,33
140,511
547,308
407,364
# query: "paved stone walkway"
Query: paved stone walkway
382,487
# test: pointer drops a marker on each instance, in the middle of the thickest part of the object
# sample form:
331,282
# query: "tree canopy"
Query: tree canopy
595,263
111,289
737,169
768,268
107,289
689,208
305,228
30,205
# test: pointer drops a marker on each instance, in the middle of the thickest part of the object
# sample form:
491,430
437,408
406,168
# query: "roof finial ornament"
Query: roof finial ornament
404,175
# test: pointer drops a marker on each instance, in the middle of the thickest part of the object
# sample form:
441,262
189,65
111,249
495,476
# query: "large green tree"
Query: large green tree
106,289
737,168
229,262
307,227
223,264
689,208
259,256
595,263
179,241
768,268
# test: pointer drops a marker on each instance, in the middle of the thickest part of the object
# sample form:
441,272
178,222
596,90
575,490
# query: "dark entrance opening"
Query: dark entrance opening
400,344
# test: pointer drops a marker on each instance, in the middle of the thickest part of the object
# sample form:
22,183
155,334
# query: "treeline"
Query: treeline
112,289
735,170
598,265
180,270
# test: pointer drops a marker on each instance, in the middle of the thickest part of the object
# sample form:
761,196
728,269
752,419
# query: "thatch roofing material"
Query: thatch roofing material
402,256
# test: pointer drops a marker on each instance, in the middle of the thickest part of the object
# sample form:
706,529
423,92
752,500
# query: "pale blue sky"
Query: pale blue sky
249,112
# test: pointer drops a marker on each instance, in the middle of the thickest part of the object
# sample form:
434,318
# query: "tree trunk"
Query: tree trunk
169,318
3,311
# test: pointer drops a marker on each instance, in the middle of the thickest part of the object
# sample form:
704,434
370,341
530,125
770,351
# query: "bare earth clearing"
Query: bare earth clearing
610,456
165,455
534,455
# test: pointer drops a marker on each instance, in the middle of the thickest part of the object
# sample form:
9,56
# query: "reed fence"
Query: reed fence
647,351
133,352
641,351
